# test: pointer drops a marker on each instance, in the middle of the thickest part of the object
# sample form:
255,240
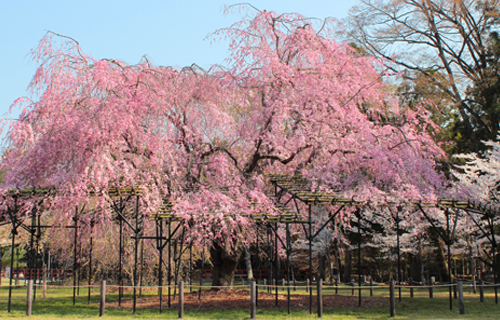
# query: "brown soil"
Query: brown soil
240,299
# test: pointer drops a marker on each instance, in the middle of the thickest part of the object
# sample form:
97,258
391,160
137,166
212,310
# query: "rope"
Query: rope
176,286
350,287
356,287
427,287
487,285
61,286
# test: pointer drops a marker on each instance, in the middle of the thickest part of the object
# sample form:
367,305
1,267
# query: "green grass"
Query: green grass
59,305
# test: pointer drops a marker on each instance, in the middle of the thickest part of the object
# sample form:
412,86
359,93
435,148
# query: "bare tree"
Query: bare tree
441,42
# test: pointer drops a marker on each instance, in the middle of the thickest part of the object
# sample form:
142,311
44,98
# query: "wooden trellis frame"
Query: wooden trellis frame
296,188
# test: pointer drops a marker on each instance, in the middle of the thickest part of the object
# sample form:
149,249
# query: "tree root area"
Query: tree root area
229,299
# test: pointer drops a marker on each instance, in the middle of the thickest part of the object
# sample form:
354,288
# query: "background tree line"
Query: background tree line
447,51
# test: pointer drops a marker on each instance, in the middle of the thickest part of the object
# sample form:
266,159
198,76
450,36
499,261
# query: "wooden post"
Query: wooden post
371,287
474,283
352,284
102,305
481,291
359,291
257,291
44,279
496,292
29,297
181,299
265,285
431,294
320,297
307,285
411,288
461,305
455,292
336,286
17,274
90,262
253,305
294,284
283,284
75,244
392,303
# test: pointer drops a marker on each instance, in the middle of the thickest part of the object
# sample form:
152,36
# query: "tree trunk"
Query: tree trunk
248,263
415,267
1,266
331,272
421,258
442,264
322,266
268,266
224,265
347,266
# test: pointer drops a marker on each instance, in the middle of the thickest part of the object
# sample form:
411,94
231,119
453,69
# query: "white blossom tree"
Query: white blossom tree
479,177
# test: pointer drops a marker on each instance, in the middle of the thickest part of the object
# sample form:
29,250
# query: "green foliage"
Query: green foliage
486,94
6,257
447,52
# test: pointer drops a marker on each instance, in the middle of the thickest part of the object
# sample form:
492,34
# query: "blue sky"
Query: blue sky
168,32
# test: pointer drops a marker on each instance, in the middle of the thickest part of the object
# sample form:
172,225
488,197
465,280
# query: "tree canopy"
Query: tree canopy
443,48
291,100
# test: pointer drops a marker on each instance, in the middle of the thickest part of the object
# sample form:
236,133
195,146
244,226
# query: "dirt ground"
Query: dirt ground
240,299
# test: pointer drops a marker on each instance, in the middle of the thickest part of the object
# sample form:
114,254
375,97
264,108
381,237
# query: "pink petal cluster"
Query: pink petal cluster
291,100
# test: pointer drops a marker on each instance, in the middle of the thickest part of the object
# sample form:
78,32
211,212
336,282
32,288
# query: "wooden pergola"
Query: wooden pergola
289,192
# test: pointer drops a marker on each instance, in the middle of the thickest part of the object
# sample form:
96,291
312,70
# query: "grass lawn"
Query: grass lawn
5,281
59,305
